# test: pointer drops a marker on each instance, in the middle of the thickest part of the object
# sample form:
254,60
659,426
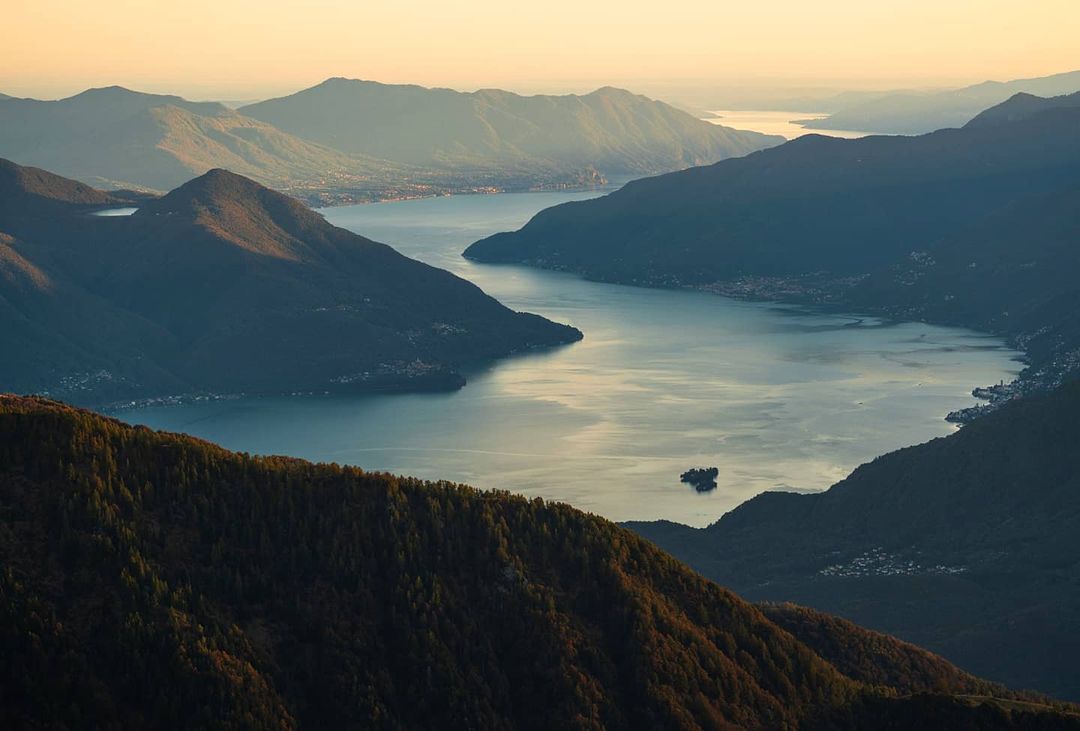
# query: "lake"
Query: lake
773,396
777,123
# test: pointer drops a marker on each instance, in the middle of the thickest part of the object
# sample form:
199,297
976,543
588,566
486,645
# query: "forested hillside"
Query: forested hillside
153,580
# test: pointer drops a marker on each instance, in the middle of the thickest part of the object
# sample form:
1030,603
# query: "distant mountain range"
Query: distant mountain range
117,137
225,286
153,580
909,113
612,130
830,221
383,141
966,545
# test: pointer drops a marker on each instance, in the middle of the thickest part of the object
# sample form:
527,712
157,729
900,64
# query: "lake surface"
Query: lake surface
777,123
664,380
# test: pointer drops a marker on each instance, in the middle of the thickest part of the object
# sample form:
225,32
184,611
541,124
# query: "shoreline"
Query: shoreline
418,378
820,295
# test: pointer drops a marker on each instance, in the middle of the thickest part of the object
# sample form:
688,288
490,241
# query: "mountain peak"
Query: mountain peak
332,82
29,187
218,188
220,179
340,83
225,286
116,91
113,100
1021,106
238,210
612,91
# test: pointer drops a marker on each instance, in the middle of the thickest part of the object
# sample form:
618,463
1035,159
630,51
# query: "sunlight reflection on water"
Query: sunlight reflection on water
664,380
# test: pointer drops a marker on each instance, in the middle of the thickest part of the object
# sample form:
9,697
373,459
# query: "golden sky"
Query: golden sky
253,48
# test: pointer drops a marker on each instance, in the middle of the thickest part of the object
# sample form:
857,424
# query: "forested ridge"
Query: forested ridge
154,580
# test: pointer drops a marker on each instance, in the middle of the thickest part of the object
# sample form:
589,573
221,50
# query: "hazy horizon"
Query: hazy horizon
245,50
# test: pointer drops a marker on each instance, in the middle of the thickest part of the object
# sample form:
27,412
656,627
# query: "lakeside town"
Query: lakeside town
879,562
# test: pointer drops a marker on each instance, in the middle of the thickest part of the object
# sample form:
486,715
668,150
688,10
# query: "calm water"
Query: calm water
777,123
774,397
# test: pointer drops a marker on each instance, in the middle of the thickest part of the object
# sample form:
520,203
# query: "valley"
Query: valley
531,366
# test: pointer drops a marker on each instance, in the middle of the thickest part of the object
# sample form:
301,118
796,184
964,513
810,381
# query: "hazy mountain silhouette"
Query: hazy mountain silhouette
155,580
616,132
224,285
917,113
439,141
116,137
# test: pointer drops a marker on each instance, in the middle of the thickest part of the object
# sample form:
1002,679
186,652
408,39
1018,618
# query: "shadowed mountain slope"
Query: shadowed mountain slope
151,579
1023,106
1015,272
816,204
224,285
966,545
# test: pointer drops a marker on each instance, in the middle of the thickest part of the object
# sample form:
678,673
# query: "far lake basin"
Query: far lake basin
775,397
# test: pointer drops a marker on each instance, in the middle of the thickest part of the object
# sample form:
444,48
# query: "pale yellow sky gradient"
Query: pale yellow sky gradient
245,49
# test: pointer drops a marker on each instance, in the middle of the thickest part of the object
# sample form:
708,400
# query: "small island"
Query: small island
703,479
